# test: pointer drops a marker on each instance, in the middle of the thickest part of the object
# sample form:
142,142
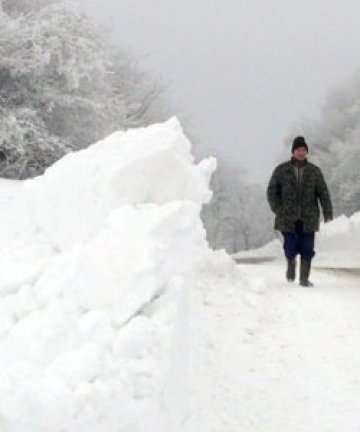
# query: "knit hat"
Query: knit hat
299,142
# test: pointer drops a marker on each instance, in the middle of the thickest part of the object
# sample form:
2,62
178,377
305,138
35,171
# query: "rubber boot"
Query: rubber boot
305,268
290,272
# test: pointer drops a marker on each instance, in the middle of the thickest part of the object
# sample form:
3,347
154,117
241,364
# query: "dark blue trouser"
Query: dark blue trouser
299,242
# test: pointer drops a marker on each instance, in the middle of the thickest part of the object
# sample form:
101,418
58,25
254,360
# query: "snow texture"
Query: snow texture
97,257
115,316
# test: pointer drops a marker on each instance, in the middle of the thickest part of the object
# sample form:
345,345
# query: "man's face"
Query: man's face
300,153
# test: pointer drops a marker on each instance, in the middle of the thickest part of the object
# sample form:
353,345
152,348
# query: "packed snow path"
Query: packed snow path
279,357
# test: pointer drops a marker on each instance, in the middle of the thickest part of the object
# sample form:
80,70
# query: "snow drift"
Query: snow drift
338,242
98,255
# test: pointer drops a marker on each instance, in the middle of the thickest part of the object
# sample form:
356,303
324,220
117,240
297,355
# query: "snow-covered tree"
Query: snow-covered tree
335,145
19,7
238,216
62,87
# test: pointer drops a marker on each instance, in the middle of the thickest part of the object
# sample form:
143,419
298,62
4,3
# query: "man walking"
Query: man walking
294,192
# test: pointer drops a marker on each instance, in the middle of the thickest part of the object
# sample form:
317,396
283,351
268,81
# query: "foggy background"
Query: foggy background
240,72
242,78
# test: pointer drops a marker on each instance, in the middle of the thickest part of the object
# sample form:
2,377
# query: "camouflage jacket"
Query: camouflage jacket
292,197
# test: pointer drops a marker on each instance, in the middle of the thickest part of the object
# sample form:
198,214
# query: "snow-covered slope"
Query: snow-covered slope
97,256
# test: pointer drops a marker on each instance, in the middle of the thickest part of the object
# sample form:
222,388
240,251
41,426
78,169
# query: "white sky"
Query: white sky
243,71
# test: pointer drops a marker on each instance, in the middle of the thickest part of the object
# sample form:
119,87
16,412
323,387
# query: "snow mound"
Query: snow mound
141,166
339,242
89,333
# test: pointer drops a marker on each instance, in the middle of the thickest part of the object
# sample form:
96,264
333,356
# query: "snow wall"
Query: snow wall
98,256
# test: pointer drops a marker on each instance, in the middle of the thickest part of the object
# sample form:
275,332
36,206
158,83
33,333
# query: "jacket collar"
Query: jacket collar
297,163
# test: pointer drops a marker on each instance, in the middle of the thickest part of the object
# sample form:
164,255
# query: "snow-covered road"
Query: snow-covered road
278,357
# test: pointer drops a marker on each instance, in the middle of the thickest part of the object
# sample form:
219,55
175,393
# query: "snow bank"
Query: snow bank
141,166
87,341
339,242
24,250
